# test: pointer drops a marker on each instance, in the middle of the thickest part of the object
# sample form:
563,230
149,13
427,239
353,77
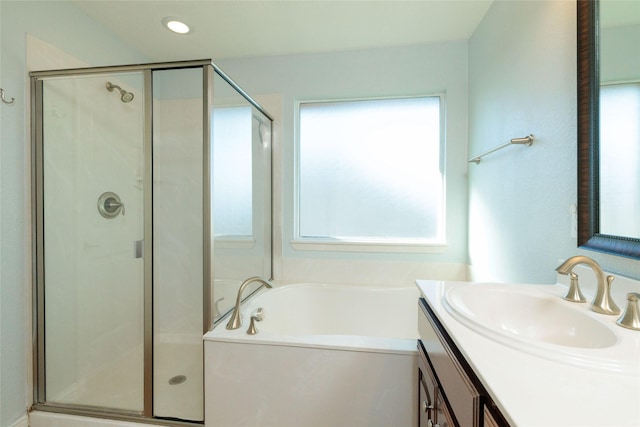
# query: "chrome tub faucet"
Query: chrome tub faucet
602,303
236,321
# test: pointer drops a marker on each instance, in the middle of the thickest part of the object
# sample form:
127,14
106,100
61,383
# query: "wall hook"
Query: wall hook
5,100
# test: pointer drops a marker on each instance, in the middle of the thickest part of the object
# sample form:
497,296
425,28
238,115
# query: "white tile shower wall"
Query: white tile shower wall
177,215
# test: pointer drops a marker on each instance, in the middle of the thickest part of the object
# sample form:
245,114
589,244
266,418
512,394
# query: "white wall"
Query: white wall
522,68
59,24
413,70
1,248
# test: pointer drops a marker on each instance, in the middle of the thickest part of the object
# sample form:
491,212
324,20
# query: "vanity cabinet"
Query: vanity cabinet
450,394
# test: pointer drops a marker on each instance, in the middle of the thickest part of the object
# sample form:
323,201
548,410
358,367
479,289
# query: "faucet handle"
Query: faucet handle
257,316
574,294
630,319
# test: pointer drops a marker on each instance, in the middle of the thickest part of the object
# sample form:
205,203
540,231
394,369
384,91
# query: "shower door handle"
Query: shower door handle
138,248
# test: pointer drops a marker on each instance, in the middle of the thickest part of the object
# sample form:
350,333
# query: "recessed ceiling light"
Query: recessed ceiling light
176,25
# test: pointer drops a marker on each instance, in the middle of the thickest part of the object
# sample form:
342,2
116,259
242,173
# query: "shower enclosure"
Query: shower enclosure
125,200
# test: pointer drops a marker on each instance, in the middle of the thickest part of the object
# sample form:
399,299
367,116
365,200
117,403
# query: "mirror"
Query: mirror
608,140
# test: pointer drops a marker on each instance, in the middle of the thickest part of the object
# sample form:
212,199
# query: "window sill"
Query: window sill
335,245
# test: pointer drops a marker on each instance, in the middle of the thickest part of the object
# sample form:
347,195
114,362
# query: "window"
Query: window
232,171
371,172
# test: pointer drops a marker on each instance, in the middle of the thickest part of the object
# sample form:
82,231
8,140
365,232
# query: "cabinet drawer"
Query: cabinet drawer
459,392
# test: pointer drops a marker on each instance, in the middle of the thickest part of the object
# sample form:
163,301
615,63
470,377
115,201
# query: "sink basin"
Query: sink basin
527,315
536,320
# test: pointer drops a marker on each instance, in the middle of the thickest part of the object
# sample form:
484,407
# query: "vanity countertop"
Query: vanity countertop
533,391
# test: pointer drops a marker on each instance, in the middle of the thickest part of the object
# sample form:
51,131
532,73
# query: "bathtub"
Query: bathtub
324,355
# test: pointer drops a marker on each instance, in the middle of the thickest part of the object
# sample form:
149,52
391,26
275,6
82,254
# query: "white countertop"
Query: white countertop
536,391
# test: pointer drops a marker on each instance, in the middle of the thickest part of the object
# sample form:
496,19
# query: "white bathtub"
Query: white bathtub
325,356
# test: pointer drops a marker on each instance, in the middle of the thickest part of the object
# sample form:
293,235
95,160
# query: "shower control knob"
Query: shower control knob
110,205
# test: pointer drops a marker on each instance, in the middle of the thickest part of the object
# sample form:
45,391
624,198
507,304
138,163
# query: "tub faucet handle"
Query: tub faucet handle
235,321
257,316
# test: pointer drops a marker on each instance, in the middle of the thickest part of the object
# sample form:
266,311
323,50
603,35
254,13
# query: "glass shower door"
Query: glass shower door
93,214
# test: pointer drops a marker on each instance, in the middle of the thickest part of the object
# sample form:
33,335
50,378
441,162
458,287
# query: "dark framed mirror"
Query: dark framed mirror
593,178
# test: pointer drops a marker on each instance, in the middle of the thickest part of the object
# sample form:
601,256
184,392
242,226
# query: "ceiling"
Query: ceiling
244,28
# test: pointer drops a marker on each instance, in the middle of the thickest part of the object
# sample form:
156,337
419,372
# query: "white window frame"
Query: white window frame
391,245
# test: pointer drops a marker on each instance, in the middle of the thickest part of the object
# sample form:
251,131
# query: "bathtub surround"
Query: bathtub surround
344,355
365,272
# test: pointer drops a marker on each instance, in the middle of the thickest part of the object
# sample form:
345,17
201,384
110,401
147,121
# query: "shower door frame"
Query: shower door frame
37,201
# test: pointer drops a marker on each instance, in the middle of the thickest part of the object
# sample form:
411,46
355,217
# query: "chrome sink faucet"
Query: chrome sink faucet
602,303
236,321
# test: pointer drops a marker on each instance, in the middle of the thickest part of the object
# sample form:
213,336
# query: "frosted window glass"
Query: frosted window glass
620,159
232,171
370,170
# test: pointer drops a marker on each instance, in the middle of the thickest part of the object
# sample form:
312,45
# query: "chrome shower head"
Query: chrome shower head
124,95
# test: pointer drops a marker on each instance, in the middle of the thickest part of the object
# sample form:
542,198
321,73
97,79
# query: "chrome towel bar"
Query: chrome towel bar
528,140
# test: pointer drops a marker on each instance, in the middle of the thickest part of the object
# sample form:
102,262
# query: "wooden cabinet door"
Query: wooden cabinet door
426,393
424,408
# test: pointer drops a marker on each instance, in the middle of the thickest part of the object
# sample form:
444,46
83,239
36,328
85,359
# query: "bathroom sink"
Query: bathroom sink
535,319
525,314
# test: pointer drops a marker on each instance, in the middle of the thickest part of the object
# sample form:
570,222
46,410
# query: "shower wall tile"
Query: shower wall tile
177,216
